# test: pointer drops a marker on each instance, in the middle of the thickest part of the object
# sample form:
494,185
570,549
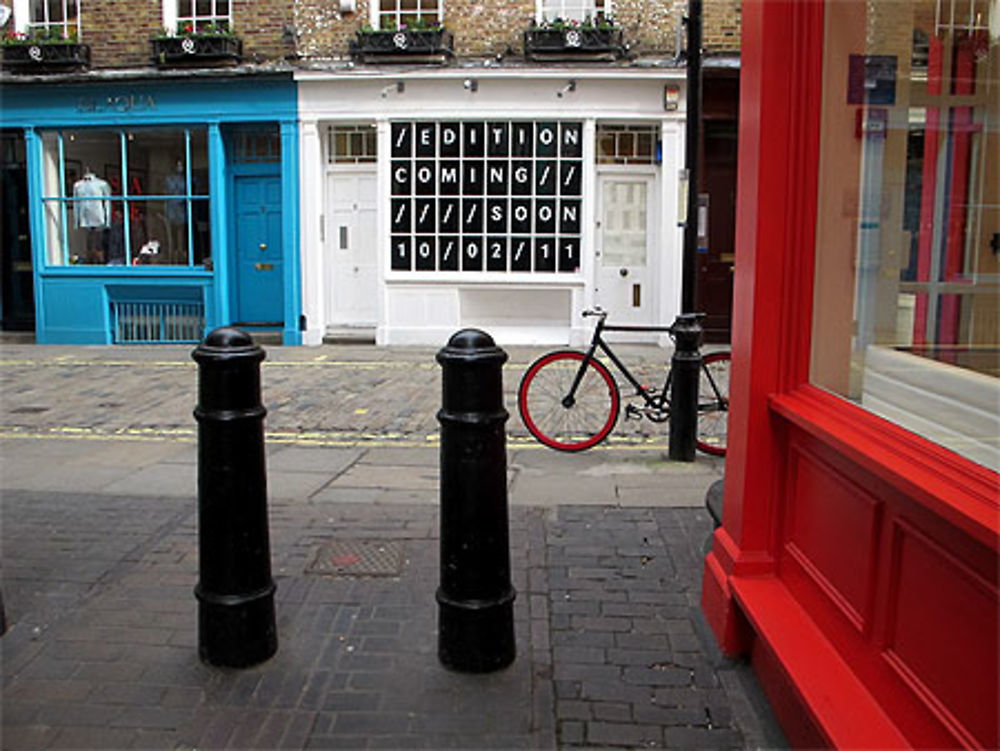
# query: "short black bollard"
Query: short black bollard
686,374
236,623
475,597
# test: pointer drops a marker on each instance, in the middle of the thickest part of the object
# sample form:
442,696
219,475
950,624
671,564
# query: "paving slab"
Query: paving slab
100,557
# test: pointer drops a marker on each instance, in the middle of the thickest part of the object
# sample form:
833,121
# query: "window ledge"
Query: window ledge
959,490
126,271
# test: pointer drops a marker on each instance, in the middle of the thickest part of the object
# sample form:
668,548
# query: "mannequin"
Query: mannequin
92,213
176,211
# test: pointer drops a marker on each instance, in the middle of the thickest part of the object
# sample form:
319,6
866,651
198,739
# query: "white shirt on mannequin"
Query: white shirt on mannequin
92,213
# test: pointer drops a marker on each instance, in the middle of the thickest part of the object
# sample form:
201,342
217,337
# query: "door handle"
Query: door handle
623,273
263,246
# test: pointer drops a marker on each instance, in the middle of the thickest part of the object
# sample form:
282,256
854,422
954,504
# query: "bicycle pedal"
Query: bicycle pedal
632,412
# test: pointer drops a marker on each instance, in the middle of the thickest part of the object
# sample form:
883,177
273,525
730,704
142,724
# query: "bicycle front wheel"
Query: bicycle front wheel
713,403
562,421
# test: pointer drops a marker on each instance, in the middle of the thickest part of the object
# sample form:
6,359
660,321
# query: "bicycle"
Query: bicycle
570,401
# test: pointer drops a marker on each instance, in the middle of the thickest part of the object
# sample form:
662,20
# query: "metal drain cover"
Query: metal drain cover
359,558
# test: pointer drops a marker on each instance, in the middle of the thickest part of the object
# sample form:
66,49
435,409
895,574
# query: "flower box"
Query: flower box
197,50
434,44
573,43
44,57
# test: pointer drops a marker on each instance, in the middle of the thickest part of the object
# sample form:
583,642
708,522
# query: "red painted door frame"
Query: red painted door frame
857,562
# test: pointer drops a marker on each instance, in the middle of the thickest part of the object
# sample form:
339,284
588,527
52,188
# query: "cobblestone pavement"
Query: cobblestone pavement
330,393
99,558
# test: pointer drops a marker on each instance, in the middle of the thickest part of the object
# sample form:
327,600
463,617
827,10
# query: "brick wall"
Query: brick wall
118,31
484,28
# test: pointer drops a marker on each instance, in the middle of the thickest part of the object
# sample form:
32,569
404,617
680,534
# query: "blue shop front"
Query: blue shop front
159,210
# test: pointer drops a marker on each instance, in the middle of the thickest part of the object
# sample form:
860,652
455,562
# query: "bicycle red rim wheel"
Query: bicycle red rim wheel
576,428
713,405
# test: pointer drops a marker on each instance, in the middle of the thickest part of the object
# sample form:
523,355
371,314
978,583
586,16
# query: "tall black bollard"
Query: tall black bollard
686,369
475,597
236,624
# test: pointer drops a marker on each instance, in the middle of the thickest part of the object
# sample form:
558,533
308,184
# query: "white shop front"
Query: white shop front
510,201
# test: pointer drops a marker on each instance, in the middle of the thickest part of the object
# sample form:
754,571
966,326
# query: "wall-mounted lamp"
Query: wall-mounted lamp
470,84
399,87
567,89
348,6
671,97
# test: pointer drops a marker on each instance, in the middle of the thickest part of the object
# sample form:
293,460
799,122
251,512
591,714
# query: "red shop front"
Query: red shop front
857,563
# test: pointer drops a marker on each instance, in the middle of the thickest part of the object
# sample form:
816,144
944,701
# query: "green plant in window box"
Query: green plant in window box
413,36
593,38
197,44
43,50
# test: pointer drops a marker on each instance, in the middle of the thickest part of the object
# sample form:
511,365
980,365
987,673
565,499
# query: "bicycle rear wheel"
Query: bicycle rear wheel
713,403
552,418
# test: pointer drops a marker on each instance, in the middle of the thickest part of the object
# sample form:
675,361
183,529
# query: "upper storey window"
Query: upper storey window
393,14
53,17
572,10
197,15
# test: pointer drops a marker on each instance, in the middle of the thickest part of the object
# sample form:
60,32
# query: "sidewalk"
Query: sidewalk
99,560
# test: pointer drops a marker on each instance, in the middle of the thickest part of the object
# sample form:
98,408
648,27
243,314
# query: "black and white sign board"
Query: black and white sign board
487,196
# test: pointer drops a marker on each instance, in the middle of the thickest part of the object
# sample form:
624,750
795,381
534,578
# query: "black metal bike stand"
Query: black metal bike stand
686,373
475,597
236,622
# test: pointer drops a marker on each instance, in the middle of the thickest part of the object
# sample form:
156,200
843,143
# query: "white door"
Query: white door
624,241
351,263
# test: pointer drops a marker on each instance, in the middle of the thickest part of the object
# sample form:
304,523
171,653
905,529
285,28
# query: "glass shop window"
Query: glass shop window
126,198
394,14
907,292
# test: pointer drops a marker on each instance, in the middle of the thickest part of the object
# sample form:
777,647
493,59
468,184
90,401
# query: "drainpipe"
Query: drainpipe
690,258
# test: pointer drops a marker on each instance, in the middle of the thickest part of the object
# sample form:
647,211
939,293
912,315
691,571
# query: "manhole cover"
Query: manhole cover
359,558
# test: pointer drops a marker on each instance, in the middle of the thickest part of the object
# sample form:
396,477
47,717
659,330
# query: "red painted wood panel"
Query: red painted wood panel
831,537
942,634
863,636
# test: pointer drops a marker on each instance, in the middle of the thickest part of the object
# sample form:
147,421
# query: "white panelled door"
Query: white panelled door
351,266
624,243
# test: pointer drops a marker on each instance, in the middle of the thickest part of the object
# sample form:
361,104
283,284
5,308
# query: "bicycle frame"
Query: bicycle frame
597,342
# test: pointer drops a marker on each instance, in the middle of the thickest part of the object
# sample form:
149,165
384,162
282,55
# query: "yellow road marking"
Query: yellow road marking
330,438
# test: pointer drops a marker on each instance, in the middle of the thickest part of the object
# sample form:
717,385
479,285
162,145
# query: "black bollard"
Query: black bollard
686,374
475,597
236,624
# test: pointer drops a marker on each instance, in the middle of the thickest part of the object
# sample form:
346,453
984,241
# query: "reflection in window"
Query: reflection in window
204,15
60,18
573,10
351,144
626,144
907,294
393,14
117,198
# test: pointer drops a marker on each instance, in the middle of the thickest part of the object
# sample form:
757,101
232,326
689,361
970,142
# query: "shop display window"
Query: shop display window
395,14
907,293
126,198
476,196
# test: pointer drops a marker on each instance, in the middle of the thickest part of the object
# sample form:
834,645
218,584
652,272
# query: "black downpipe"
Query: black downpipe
692,153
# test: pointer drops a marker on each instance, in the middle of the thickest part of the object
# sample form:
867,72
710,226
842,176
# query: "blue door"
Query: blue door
259,271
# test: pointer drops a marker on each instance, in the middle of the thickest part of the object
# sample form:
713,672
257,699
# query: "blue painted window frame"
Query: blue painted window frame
124,199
